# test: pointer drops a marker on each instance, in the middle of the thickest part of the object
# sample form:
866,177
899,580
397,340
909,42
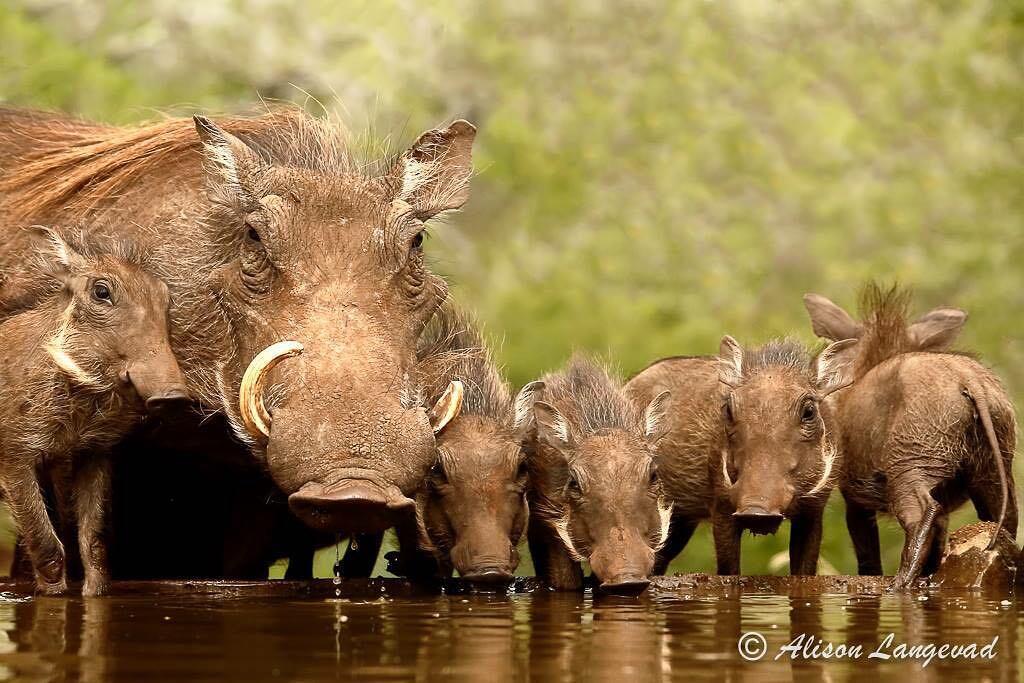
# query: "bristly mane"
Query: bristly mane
883,313
77,165
785,353
594,395
776,353
452,347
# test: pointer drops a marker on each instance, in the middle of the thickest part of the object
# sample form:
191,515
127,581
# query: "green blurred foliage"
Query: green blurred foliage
651,175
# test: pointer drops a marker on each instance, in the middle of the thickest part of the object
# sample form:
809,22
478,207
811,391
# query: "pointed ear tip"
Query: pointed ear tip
462,127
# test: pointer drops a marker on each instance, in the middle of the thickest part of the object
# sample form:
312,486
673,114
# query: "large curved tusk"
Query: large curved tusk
255,417
447,407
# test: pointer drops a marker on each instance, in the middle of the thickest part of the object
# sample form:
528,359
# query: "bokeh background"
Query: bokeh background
651,174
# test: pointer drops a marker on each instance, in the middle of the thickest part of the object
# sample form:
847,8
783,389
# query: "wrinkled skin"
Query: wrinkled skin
760,415
473,505
78,370
923,430
266,236
595,492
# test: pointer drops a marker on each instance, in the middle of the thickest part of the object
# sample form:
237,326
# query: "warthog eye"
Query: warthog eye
417,240
101,291
523,471
653,480
808,412
573,488
253,235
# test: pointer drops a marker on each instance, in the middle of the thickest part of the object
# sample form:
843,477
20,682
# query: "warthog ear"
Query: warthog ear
522,410
937,329
57,249
552,427
433,175
229,161
447,407
829,321
730,361
656,417
833,368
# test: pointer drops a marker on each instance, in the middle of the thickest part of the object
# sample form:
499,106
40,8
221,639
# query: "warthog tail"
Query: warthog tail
979,397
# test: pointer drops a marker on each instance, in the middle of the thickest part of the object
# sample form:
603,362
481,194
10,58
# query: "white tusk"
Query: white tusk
254,413
725,469
828,457
448,406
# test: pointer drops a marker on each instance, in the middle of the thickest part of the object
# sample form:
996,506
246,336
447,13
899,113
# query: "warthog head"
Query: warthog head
325,268
611,509
113,328
779,448
472,508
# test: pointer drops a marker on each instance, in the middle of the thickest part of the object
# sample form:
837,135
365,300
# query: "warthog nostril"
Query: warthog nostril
166,400
758,520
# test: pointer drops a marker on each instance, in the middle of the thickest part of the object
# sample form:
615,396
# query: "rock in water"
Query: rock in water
969,564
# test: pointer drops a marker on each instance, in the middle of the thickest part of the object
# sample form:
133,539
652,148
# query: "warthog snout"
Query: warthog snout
487,561
625,585
758,519
353,505
158,383
167,399
622,562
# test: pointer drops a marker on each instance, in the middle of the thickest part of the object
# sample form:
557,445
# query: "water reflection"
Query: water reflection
542,636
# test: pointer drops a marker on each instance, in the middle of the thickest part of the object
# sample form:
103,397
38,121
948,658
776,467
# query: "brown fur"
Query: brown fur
471,509
267,228
923,429
74,373
595,493
774,459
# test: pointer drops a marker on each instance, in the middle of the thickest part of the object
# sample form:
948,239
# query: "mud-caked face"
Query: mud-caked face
778,451
113,332
615,513
474,508
332,261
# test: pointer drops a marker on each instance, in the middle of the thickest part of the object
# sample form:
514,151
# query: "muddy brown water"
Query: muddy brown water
683,628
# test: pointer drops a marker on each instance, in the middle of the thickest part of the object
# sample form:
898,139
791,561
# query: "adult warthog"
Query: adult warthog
276,244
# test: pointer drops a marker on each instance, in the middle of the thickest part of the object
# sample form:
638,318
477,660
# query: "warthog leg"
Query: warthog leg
28,508
727,541
805,543
361,555
680,531
938,547
919,528
863,528
91,489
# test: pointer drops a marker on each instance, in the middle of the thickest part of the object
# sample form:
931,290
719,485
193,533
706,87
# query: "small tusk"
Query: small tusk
828,457
254,413
448,406
725,469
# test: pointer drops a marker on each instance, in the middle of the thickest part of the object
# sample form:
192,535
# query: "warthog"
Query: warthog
923,429
78,370
595,493
471,510
748,442
276,244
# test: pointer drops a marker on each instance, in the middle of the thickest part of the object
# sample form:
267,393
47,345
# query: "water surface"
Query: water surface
379,631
